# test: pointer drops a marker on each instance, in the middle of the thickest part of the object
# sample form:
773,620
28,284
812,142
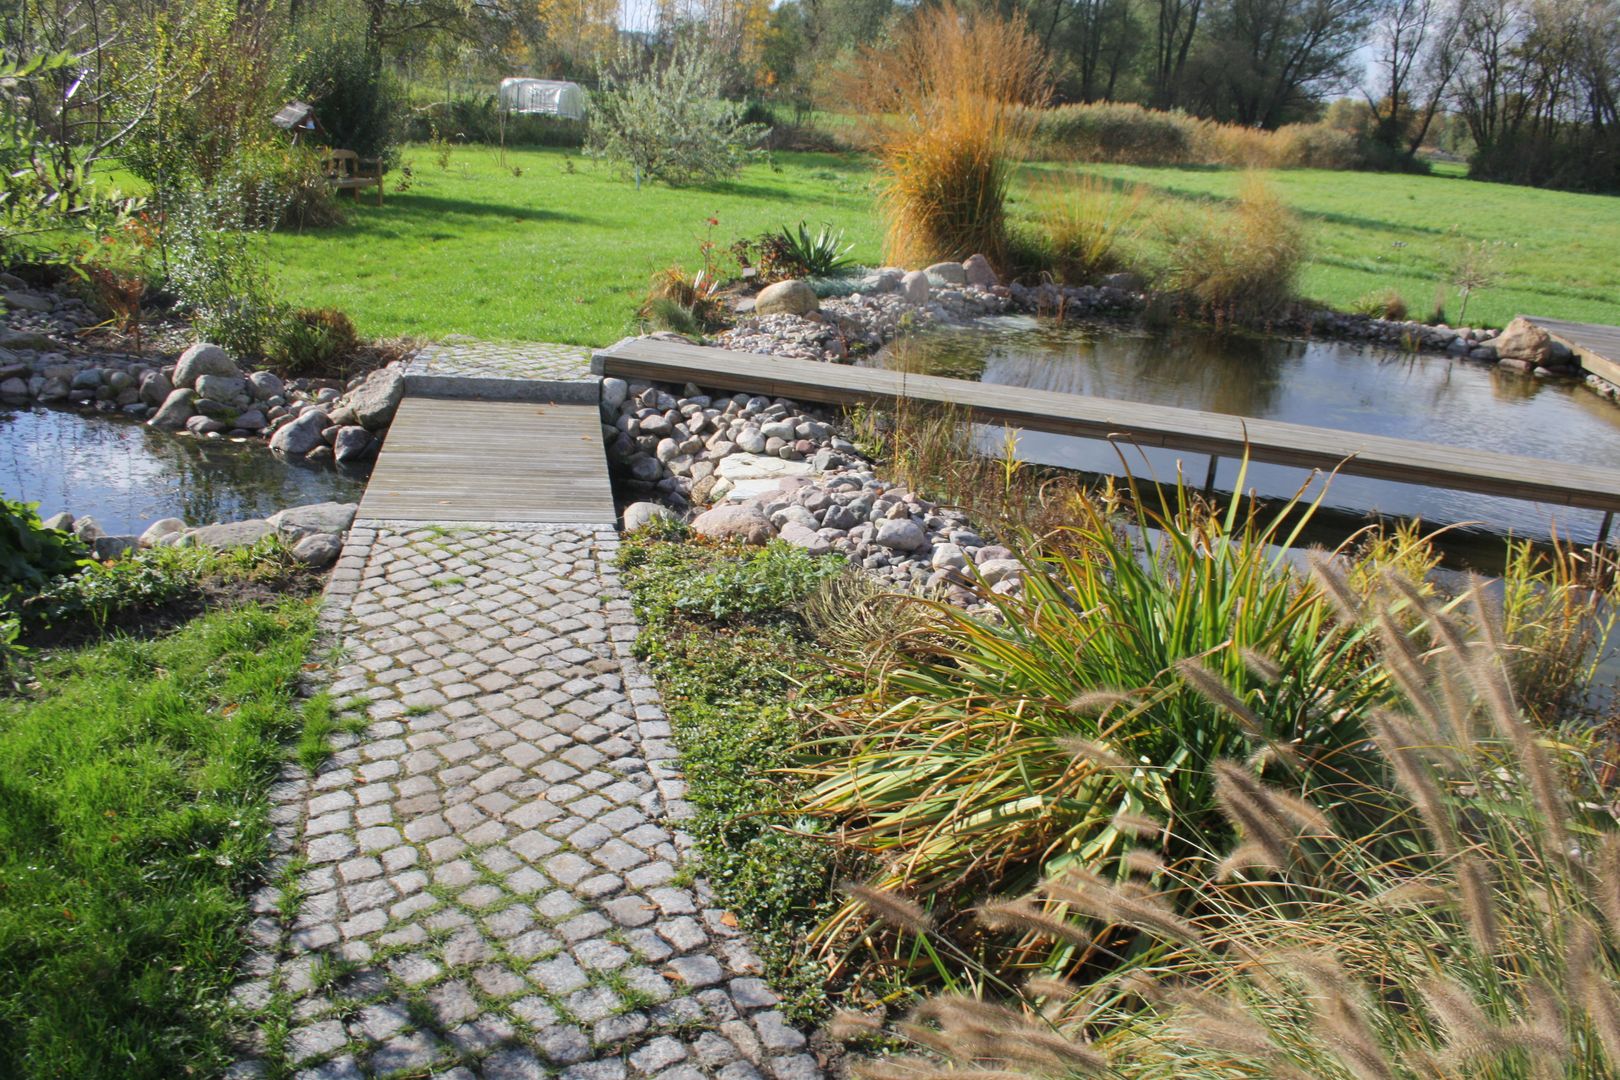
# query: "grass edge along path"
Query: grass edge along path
133,819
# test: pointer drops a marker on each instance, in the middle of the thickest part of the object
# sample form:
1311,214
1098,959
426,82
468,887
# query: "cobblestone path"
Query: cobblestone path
490,883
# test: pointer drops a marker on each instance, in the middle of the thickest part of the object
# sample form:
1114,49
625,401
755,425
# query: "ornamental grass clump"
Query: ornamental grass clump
997,750
1450,911
1082,224
1238,265
942,106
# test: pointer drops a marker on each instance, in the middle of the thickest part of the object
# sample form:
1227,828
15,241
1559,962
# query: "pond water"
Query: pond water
1326,384
126,475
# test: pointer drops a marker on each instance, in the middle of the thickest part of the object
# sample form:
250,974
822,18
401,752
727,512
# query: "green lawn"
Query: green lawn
1375,231
563,251
132,818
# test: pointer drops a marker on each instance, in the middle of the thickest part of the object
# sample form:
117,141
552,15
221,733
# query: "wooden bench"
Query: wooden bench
348,171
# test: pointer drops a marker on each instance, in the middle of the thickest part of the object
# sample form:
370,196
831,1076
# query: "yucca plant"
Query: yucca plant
823,255
1006,746
1468,929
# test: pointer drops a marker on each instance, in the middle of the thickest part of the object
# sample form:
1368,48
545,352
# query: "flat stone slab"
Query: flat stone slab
503,371
759,467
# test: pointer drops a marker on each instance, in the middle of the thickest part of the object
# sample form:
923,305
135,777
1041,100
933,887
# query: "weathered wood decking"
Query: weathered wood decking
1375,456
1596,347
503,461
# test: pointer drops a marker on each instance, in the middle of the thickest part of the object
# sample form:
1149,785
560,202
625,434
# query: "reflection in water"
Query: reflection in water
1326,384
126,475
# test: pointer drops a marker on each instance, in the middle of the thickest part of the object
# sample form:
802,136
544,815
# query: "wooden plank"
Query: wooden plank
1596,347
448,460
1376,456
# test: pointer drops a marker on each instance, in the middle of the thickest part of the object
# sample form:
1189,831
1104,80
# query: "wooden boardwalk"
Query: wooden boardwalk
1596,347
500,461
1217,434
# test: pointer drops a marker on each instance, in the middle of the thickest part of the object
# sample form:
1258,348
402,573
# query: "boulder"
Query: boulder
318,549
226,388
14,390
252,420
914,287
175,410
734,521
156,388
86,379
87,529
112,547
790,297
639,515
301,436
205,425
266,385
375,401
900,534
326,517
163,527
1524,340
979,272
18,300
951,273
614,391
62,522
351,443
802,536
203,359
233,534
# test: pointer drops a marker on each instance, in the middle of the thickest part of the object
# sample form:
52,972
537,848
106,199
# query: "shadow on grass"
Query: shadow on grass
412,208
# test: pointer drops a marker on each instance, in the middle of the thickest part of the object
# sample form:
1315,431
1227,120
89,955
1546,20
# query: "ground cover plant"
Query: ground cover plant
132,818
736,669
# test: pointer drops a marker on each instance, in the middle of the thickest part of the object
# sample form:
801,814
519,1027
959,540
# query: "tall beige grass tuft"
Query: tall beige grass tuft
942,107
1238,265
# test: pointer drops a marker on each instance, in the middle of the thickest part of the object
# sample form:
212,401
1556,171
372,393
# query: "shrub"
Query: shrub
943,107
1117,132
216,270
1436,918
31,554
313,341
343,77
1132,135
667,121
1082,222
1239,265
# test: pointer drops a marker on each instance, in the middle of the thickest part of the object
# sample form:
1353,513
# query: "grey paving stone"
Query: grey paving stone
503,805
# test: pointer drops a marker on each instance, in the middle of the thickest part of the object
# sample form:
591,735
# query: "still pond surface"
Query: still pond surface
1326,384
126,475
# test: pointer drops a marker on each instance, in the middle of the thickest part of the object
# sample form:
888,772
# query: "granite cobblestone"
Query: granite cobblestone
491,878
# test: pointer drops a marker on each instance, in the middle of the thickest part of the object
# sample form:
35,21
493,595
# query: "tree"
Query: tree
1415,60
1267,62
666,120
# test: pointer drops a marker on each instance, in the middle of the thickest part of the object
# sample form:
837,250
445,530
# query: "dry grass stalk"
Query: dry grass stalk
898,911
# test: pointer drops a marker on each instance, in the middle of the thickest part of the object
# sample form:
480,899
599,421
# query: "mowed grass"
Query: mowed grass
1554,252
132,819
562,252
550,246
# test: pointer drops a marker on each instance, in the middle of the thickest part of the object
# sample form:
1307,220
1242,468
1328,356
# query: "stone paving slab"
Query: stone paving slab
490,878
512,371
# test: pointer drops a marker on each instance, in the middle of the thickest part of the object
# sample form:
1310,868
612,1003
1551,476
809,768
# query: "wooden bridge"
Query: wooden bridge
1597,348
1217,434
